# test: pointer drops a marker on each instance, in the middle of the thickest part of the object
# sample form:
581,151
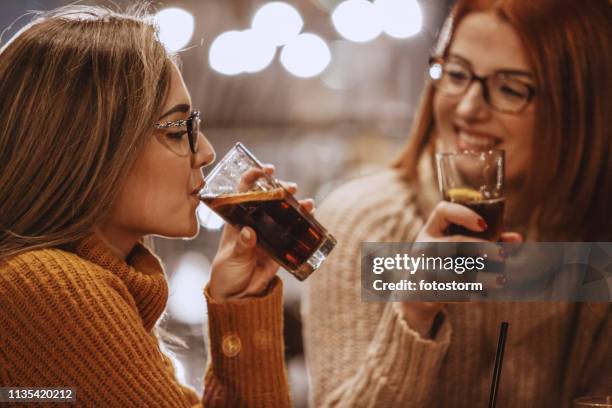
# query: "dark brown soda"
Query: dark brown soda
283,227
492,211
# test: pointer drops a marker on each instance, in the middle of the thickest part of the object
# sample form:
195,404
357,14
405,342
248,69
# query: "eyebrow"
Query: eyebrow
498,71
181,107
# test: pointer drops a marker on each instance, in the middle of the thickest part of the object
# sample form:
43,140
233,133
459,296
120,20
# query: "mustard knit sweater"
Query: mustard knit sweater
84,319
364,354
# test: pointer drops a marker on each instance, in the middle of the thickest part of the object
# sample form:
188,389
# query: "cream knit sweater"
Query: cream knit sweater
363,354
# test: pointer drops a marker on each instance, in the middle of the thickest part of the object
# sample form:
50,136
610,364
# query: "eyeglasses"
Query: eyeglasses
175,141
503,90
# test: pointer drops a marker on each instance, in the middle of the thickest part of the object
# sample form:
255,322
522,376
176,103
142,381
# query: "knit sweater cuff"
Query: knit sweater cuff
246,344
409,363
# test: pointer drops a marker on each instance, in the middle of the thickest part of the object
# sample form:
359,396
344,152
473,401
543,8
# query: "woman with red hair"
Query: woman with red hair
528,77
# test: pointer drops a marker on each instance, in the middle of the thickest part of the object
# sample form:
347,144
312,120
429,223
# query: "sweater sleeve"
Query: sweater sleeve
247,352
68,323
589,369
363,354
600,368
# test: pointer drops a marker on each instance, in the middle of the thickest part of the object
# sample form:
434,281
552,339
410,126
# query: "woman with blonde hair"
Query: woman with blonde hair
99,148
528,77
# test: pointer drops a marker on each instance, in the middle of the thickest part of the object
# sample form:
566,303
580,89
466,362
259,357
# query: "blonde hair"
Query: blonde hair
568,188
80,89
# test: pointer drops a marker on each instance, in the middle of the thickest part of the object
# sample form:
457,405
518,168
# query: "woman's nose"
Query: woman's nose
205,154
472,104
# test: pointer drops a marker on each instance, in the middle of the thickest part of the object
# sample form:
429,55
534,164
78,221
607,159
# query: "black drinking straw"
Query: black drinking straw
499,359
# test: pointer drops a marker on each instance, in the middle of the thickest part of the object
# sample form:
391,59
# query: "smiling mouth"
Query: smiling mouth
473,141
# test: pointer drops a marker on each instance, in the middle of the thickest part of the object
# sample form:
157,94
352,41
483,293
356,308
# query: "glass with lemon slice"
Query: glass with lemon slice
476,180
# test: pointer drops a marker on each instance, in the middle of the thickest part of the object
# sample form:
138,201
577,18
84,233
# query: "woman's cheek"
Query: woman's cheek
442,111
521,132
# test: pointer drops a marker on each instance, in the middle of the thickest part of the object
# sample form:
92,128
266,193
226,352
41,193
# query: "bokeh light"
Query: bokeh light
236,52
277,21
186,300
400,18
175,28
357,20
224,54
257,51
435,71
306,56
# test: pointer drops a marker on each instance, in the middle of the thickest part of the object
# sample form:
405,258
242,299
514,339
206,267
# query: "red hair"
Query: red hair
570,177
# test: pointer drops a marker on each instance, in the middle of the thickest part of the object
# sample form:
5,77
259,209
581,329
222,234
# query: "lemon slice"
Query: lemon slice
463,195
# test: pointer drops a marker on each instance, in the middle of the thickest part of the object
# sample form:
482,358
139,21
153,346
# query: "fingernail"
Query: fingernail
482,224
503,253
501,280
245,234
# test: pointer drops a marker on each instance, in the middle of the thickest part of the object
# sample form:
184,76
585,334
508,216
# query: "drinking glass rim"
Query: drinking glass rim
241,148
217,167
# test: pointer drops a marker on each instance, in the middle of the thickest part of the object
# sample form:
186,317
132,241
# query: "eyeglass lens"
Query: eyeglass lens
193,128
501,91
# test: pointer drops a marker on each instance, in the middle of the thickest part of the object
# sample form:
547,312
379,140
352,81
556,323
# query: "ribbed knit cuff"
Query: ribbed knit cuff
247,348
403,360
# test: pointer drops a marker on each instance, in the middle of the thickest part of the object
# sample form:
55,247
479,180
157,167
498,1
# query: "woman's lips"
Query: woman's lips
196,190
470,140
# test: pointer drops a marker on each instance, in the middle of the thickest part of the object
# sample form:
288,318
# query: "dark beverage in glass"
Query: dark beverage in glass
491,210
281,224
287,232
475,180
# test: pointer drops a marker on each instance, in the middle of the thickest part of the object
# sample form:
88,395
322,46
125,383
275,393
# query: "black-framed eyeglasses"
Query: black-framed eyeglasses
504,91
175,140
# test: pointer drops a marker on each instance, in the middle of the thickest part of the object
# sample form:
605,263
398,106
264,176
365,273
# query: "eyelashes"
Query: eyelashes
176,135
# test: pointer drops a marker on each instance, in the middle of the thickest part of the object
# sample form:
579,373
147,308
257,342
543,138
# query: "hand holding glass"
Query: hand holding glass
476,180
284,229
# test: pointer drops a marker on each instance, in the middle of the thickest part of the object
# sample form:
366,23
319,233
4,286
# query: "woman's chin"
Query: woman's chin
191,228
188,231
191,231
194,232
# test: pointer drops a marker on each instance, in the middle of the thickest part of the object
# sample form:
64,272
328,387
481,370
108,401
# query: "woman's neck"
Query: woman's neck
118,240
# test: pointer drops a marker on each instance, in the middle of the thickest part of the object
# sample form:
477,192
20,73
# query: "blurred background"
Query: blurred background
324,89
